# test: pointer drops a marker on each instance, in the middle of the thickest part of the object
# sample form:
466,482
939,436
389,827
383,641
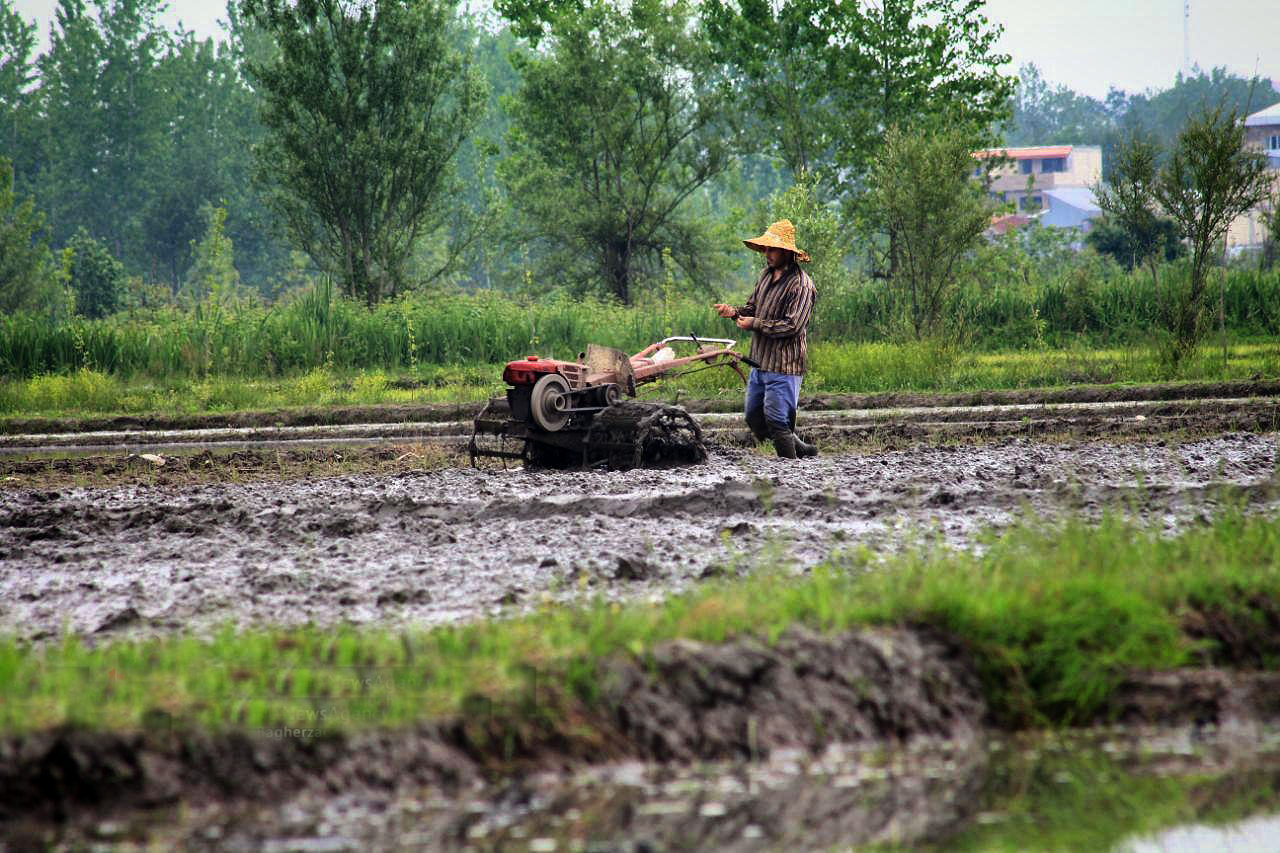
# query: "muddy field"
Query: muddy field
149,534
403,545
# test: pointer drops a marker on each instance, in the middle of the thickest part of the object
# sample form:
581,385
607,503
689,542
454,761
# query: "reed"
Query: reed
316,328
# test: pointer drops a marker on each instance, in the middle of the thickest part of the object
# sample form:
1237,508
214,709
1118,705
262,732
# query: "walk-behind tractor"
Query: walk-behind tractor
571,414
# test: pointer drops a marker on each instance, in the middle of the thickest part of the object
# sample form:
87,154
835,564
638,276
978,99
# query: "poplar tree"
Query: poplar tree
365,106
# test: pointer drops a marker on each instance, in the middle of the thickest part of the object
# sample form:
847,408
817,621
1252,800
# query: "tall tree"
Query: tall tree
17,74
365,108
1164,113
26,265
774,65
924,64
206,159
1209,180
838,75
913,63
921,184
104,120
615,126
1053,115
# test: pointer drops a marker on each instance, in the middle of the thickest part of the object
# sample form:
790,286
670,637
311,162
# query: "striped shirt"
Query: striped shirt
780,316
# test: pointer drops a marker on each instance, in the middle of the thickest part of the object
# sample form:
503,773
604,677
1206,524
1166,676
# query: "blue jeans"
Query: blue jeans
777,394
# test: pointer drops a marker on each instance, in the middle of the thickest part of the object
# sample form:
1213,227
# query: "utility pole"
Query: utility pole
1186,37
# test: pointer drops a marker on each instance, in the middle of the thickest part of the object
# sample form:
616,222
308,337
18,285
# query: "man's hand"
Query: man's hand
723,310
743,322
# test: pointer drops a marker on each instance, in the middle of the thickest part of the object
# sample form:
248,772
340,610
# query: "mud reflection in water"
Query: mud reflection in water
1095,791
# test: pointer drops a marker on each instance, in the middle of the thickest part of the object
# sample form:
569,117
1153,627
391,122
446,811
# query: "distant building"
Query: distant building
1051,183
1003,223
1070,207
1261,132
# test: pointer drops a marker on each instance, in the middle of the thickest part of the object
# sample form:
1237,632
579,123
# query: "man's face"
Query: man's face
776,258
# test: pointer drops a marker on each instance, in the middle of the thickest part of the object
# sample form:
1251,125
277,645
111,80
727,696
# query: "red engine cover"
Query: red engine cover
529,370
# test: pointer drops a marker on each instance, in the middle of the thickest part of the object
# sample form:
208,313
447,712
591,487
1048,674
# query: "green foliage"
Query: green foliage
365,106
775,55
1108,237
213,273
206,160
1271,223
96,278
129,129
104,113
825,79
26,265
1208,181
17,72
1164,113
1047,115
1004,302
1054,619
819,229
913,63
614,128
921,190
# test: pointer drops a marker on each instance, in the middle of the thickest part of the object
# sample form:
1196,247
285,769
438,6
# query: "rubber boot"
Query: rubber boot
804,450
756,422
784,441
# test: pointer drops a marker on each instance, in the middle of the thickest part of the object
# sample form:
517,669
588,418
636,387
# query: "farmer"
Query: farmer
777,315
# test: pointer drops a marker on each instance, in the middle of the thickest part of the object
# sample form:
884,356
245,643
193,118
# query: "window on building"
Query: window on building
1274,142
1026,166
1053,164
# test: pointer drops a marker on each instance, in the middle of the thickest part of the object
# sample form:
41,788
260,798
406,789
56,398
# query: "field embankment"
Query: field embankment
1047,626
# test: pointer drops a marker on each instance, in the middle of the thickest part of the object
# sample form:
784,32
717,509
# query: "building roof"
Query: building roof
1003,223
1035,152
1081,198
1271,115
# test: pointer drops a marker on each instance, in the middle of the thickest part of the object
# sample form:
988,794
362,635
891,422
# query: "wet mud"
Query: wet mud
404,546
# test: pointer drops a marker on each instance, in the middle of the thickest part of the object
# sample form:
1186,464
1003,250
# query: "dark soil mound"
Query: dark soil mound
742,699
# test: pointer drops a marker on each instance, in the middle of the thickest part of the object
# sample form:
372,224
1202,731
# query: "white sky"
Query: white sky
1090,45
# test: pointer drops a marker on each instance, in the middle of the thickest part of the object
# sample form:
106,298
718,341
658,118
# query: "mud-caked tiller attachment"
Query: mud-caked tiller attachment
570,414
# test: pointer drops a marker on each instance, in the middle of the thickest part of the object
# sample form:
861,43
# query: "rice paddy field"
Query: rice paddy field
1027,597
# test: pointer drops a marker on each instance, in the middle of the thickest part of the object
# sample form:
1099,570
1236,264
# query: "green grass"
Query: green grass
315,328
88,392
834,369
1054,618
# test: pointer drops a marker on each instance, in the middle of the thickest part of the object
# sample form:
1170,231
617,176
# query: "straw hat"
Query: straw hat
779,235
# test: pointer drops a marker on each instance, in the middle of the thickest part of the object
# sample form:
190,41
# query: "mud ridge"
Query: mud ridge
305,417
743,700
442,412
692,701
1077,394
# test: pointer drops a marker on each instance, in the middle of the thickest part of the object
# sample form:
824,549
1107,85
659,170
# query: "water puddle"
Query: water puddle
1188,789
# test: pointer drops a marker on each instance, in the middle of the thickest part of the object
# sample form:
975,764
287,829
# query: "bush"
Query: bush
96,278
